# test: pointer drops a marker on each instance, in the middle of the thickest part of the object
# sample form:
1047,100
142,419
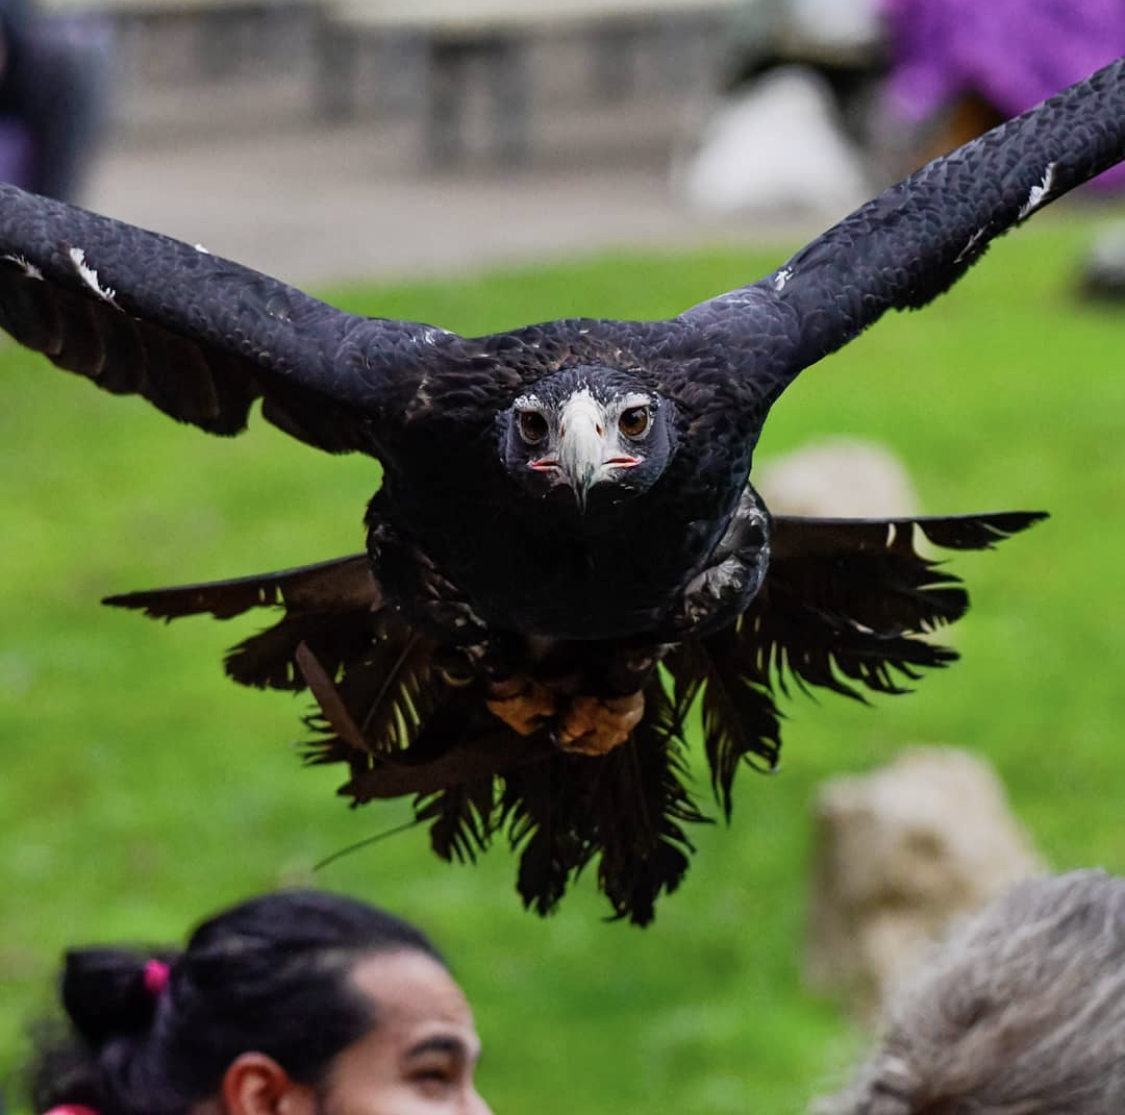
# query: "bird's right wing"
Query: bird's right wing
198,336
846,602
916,239
847,605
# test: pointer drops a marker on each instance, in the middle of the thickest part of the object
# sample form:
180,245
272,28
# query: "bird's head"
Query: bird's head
587,429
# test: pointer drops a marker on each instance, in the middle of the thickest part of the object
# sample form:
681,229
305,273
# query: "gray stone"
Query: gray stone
897,855
776,147
837,477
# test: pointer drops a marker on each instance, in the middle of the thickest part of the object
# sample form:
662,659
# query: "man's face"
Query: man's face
419,1057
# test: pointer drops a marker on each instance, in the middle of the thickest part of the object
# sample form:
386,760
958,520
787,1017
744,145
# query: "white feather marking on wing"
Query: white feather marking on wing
90,277
970,244
781,278
202,249
1039,194
29,269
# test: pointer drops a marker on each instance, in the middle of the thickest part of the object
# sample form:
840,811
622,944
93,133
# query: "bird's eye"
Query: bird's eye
634,421
533,426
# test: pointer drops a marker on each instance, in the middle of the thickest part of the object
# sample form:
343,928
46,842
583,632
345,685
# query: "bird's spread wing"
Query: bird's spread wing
336,585
196,335
847,605
330,607
916,239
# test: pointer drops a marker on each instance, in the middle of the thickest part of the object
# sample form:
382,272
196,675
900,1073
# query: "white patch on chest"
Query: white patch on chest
90,277
1039,194
29,269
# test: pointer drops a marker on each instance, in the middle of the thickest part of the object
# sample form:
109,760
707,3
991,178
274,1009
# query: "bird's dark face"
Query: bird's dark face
588,428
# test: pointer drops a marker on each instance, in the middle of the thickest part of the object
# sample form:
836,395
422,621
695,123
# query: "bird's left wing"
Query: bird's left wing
916,239
196,335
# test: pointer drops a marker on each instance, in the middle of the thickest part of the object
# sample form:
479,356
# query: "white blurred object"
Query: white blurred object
897,855
837,477
1103,271
806,29
776,147
835,25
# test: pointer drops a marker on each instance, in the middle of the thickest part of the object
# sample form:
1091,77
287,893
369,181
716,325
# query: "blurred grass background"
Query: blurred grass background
141,790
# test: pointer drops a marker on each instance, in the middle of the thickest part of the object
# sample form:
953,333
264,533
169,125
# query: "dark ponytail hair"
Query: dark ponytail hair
269,975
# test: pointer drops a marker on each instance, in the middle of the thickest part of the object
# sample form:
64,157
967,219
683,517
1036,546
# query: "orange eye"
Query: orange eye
634,421
533,426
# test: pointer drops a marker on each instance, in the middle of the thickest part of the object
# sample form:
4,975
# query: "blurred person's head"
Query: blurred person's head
1020,1012
295,1003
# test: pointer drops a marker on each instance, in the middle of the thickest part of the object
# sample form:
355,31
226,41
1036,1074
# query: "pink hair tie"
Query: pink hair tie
156,979
71,1109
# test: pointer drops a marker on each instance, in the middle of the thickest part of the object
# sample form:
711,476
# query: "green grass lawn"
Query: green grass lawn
140,789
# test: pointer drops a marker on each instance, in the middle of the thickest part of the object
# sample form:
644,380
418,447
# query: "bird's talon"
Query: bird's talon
595,725
522,703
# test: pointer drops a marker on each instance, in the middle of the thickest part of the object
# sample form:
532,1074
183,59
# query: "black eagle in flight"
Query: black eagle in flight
564,552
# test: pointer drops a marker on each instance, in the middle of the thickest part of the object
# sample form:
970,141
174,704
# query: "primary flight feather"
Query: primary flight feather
564,508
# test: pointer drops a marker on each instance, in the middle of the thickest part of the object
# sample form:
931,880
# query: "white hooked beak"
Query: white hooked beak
588,448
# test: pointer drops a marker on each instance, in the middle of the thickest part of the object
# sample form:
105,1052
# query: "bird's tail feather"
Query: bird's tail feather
626,809
560,812
739,718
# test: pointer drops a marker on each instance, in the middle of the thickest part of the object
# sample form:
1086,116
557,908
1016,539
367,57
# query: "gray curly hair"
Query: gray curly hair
1020,1012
